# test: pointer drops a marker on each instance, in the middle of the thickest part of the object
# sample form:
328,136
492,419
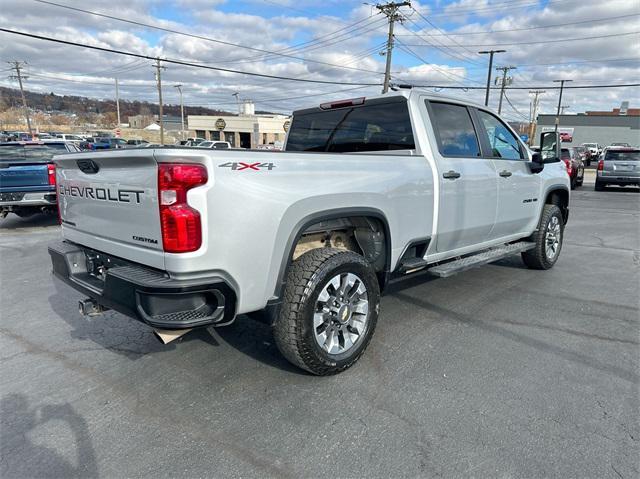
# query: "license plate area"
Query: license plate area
99,263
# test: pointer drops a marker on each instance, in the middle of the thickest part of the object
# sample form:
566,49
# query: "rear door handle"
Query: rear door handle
451,175
505,173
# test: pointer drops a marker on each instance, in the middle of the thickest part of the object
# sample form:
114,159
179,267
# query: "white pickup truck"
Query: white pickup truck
367,190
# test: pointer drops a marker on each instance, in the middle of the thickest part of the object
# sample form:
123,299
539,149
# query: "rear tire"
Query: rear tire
548,239
599,186
330,311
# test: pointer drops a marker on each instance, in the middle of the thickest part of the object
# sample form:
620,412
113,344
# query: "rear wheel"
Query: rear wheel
599,186
330,310
548,240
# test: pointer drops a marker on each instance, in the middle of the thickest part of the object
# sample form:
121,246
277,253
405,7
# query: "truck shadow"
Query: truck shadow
22,457
254,339
133,340
111,330
13,222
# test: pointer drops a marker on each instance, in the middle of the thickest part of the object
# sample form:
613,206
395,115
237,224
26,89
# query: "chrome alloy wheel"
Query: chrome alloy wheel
341,313
553,237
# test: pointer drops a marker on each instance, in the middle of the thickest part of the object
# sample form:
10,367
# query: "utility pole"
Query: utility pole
563,108
18,66
117,104
159,82
504,84
179,87
490,53
534,113
391,11
562,82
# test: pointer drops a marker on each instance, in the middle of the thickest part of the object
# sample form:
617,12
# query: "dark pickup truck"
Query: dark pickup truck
28,176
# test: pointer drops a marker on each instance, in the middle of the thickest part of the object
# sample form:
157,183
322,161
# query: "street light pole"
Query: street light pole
490,53
562,82
179,87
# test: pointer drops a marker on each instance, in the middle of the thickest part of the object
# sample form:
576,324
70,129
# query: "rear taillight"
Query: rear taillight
51,171
567,163
181,229
600,165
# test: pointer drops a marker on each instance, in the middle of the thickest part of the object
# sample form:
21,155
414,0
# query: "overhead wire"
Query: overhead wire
187,34
508,30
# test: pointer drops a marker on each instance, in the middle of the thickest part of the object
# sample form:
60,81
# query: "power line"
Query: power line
191,35
582,22
441,31
453,54
540,41
529,87
179,62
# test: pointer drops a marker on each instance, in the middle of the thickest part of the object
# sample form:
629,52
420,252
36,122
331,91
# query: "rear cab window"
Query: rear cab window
376,125
455,134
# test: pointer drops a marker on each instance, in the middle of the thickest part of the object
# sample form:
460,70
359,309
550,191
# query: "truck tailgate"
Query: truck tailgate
23,177
109,201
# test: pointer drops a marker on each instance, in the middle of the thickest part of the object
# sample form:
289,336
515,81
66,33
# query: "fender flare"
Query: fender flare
317,217
563,189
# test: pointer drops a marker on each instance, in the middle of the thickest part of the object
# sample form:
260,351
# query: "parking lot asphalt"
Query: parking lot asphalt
497,372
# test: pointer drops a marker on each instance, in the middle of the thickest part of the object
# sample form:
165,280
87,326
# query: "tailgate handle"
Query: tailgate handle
89,167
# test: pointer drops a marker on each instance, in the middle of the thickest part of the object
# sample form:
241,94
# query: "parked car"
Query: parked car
594,148
574,165
585,155
27,176
216,145
136,143
107,143
67,137
619,166
306,239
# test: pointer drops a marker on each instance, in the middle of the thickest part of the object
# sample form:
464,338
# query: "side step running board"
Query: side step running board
489,256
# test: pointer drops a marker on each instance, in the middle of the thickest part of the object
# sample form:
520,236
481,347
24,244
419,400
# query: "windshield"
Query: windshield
205,144
31,152
612,155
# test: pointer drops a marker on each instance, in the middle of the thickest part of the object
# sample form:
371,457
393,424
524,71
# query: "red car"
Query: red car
575,166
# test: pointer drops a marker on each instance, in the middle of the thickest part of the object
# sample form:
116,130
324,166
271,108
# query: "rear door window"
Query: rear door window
370,127
454,130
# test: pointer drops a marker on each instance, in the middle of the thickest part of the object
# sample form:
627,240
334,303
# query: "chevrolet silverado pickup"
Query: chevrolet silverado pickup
27,176
367,191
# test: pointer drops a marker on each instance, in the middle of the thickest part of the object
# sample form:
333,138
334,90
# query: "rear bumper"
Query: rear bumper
145,294
618,180
28,198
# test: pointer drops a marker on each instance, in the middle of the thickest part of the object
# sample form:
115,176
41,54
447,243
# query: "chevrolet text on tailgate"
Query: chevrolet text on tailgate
366,191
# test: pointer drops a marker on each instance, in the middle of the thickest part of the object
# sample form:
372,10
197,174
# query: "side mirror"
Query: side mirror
536,165
550,146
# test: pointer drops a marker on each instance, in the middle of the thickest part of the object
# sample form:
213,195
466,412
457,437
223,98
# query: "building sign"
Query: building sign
566,134
286,125
221,124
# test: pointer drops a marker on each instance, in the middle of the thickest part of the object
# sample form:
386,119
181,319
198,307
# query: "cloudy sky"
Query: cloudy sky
592,42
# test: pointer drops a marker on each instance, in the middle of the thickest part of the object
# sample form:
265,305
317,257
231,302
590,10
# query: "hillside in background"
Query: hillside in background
85,107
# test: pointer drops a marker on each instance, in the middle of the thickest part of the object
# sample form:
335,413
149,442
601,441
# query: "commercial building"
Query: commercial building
620,125
242,131
172,123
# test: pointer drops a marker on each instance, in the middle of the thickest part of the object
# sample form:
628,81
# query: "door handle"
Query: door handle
451,175
505,173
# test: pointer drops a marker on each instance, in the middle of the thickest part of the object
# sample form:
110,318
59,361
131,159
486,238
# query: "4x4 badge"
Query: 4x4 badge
240,166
